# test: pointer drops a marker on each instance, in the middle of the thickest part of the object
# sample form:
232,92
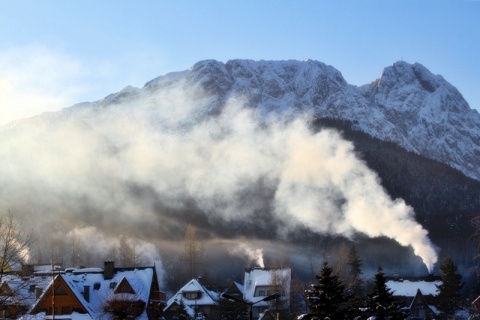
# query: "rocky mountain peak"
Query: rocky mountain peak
408,104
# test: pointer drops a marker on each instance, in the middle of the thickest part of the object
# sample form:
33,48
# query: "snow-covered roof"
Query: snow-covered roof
206,298
409,288
43,316
24,288
101,289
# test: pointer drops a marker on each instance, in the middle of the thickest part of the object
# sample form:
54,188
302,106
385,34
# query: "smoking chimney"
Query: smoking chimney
108,270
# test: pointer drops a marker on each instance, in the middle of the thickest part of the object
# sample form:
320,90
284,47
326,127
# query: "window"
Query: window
192,295
263,291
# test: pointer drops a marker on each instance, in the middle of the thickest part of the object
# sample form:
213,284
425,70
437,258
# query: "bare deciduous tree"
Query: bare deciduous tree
14,244
193,252
14,252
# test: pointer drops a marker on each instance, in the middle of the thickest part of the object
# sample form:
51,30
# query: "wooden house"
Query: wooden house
93,293
419,308
18,293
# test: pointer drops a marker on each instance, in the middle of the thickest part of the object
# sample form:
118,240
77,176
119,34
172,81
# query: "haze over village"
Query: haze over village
247,160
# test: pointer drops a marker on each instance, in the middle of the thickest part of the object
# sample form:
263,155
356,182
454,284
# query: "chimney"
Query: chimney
27,270
38,292
108,270
86,293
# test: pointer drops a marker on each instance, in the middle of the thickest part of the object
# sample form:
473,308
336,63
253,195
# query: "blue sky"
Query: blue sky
57,53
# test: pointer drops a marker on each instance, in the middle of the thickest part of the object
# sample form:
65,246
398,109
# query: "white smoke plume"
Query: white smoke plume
123,167
253,255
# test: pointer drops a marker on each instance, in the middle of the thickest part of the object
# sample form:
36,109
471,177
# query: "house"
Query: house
93,293
260,283
416,294
195,299
419,308
18,293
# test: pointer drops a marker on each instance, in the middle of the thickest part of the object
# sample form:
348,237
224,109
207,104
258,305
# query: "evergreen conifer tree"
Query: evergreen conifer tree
181,313
327,299
381,301
355,265
232,310
355,288
449,292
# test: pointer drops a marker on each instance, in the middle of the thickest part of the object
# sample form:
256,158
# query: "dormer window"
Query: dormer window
192,295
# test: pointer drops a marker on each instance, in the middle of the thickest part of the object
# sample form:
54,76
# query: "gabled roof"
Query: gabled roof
418,299
136,282
235,288
124,287
207,298
5,289
59,283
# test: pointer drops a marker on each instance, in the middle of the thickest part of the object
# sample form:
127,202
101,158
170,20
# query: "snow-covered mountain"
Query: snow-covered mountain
407,105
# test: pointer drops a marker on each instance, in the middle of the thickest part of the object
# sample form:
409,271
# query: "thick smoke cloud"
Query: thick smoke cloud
145,164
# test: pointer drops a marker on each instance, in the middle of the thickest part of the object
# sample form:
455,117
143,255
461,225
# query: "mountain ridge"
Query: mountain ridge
407,105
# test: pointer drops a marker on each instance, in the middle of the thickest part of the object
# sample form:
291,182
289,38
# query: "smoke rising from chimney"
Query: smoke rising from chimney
124,165
253,255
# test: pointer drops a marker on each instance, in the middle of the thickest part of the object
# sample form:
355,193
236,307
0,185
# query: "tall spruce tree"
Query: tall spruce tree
355,264
327,298
449,294
381,301
355,289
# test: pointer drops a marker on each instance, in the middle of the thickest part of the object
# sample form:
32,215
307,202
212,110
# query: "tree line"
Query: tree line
335,298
